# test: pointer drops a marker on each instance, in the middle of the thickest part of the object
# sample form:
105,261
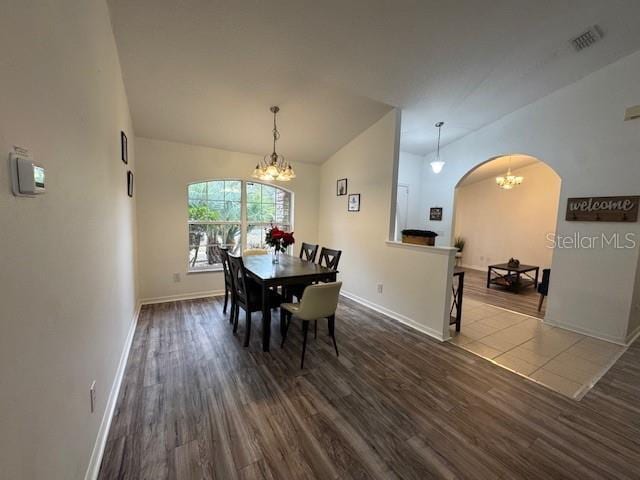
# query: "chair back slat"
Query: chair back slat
228,279
543,286
308,252
329,258
238,278
319,301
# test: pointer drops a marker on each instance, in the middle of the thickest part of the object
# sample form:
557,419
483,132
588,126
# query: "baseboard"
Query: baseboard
474,267
183,296
633,336
584,331
105,424
395,316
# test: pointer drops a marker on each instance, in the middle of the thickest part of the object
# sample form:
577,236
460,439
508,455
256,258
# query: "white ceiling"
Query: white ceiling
498,166
206,71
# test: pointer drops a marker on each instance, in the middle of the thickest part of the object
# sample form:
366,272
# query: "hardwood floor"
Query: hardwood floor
526,301
395,404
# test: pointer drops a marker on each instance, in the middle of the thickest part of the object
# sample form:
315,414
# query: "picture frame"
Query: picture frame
124,148
353,203
130,183
435,214
341,187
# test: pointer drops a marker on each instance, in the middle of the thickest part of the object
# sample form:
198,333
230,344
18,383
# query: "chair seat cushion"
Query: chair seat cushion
291,307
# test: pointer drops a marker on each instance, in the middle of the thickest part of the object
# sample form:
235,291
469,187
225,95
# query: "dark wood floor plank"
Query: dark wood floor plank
195,404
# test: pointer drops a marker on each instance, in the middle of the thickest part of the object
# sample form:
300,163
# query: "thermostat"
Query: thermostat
27,177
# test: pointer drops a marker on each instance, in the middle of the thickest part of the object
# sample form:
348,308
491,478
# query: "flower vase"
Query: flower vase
275,258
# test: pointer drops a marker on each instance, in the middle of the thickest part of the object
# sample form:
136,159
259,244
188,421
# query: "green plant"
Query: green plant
458,243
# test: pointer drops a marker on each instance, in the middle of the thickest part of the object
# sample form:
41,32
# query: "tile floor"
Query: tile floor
564,361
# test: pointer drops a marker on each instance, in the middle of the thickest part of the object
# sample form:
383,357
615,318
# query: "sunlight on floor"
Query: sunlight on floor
564,361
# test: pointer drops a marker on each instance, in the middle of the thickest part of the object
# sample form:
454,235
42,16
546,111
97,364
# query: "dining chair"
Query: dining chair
319,301
255,251
228,283
248,296
308,252
329,258
543,286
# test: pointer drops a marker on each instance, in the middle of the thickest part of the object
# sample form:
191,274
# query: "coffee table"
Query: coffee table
512,277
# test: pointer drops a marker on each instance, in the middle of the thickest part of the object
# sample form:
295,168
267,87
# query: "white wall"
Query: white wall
67,279
580,133
164,171
499,224
416,280
410,174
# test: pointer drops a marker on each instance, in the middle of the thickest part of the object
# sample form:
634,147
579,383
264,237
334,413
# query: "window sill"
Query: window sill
205,270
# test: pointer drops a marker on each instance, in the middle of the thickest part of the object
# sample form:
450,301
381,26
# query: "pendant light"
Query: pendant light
273,166
437,164
508,181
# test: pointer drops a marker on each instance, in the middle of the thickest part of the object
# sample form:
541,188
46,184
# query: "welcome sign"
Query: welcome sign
603,209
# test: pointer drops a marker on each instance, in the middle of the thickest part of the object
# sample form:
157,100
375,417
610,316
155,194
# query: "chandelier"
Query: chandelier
437,164
508,181
274,166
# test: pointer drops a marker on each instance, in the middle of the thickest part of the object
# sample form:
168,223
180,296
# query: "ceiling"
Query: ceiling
498,166
206,71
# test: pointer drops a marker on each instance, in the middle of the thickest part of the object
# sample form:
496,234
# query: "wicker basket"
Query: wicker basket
419,240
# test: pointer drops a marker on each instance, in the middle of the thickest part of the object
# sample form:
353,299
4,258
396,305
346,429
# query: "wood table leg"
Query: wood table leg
266,319
288,298
489,277
536,280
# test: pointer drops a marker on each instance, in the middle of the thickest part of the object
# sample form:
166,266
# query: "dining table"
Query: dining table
289,270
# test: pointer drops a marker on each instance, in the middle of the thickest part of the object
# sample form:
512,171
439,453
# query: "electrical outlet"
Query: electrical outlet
92,396
176,278
379,288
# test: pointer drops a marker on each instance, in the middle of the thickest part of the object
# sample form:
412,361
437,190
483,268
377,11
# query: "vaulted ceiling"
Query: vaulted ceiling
206,71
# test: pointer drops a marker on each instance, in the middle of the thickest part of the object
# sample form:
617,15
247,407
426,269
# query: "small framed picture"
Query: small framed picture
130,183
341,187
435,214
124,149
354,202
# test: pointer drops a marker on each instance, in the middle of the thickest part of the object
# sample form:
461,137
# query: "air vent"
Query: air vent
587,38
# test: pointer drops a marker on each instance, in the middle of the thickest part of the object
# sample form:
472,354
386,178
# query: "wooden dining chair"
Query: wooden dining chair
308,252
228,283
248,296
329,258
543,286
319,301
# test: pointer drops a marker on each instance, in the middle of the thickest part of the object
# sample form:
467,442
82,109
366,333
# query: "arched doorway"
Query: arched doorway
498,222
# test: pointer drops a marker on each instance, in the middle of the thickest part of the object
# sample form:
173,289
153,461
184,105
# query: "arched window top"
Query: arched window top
232,214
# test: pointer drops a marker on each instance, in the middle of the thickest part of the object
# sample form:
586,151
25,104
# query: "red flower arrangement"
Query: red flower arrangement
278,239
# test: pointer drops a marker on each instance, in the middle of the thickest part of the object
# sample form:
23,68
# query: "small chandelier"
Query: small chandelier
274,166
437,164
508,181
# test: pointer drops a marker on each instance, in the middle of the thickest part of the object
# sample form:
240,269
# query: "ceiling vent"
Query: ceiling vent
587,38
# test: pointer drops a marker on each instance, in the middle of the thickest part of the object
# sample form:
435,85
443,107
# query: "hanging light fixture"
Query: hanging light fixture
437,164
274,166
508,181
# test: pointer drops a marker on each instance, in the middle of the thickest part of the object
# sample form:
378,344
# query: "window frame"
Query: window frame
244,223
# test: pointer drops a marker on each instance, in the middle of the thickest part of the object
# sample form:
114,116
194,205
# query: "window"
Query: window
232,214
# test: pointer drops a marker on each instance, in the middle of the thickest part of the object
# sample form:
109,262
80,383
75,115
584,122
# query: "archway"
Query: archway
515,220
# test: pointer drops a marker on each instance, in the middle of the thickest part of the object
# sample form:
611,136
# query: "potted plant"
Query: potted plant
458,243
279,240
419,237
